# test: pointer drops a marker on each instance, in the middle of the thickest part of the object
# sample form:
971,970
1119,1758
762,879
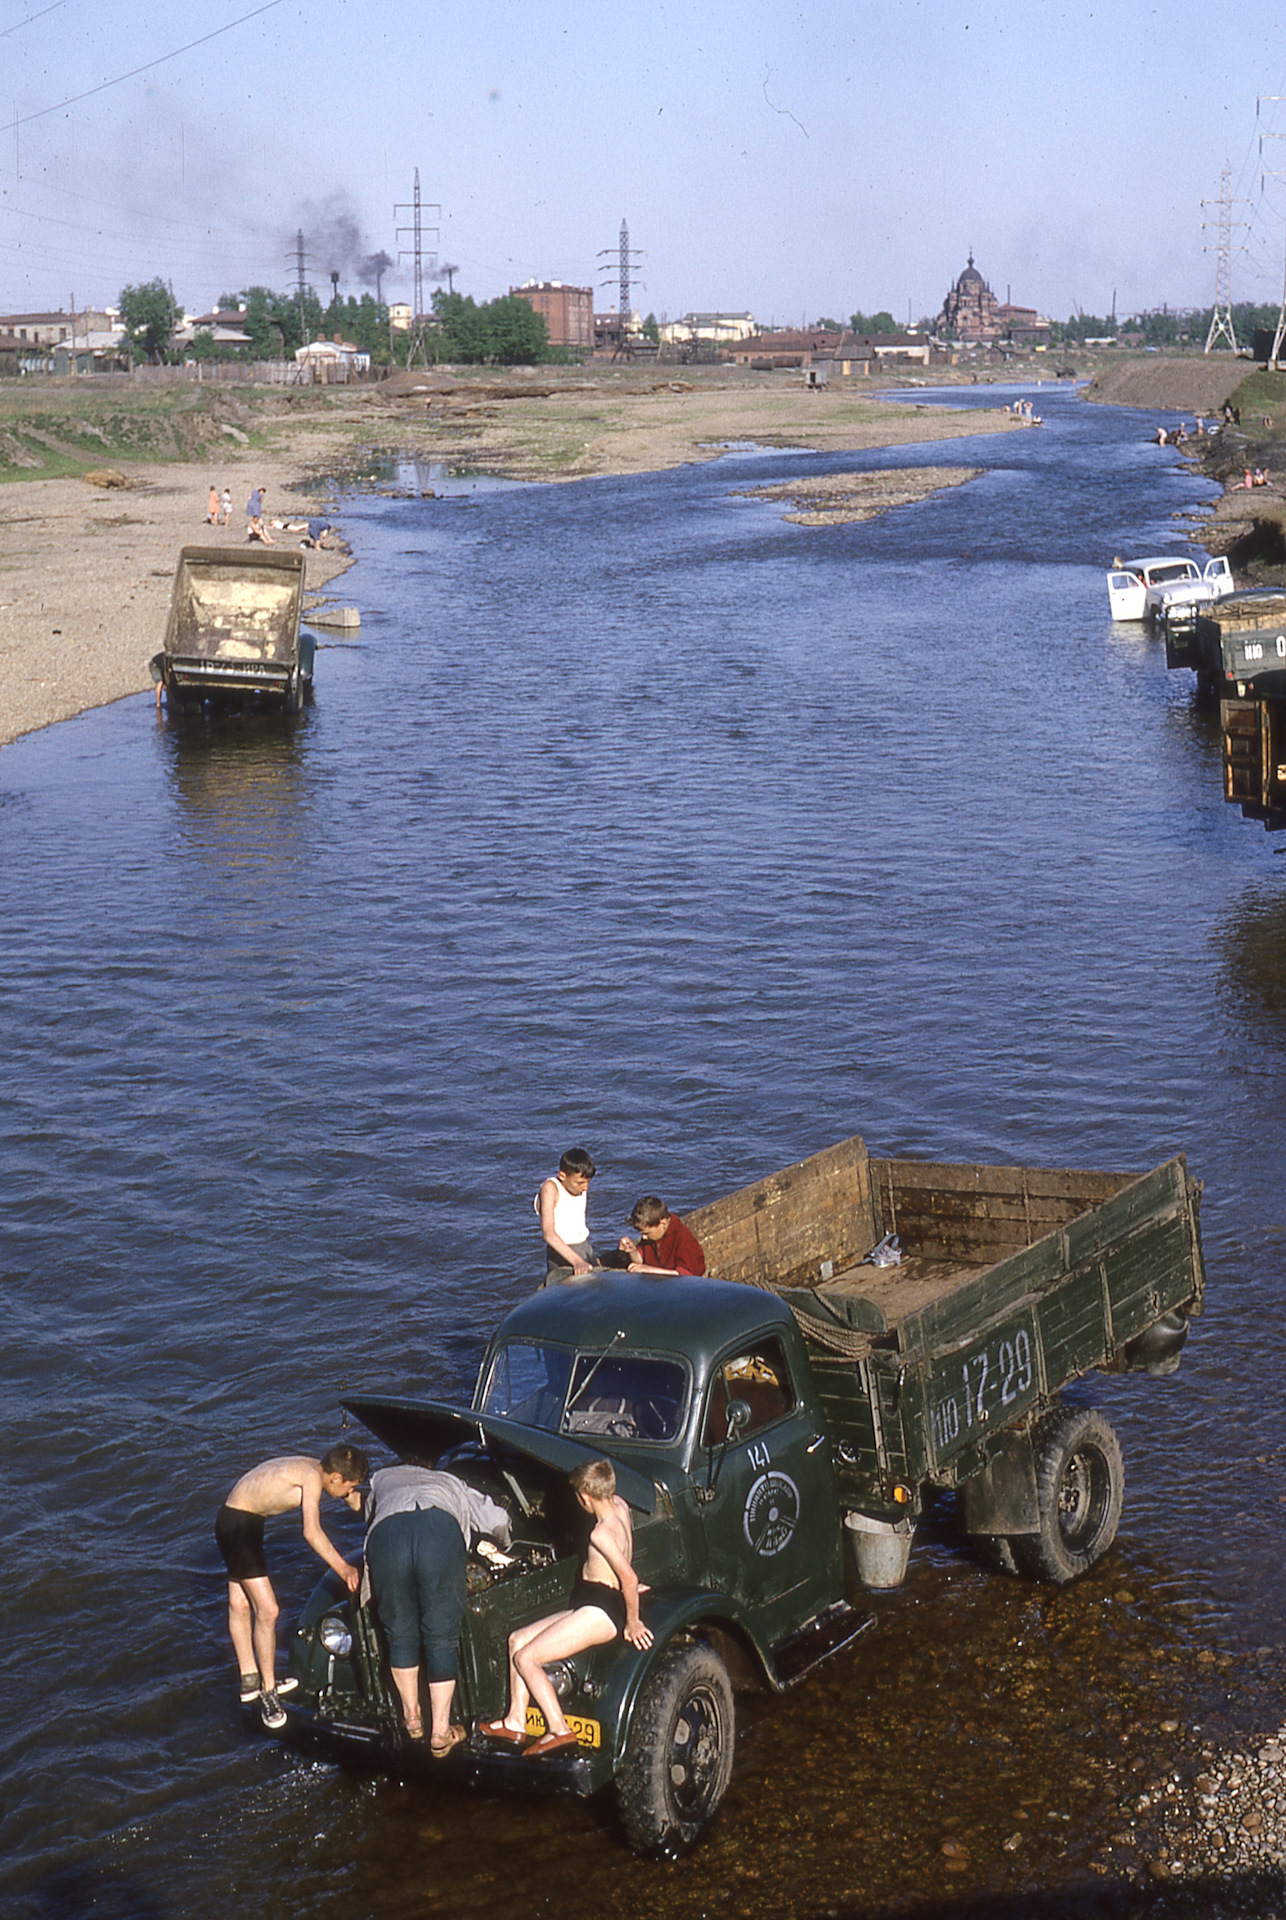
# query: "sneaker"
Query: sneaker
271,1711
286,1684
250,1689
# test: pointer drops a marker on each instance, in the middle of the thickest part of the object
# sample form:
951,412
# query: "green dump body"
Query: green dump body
1014,1281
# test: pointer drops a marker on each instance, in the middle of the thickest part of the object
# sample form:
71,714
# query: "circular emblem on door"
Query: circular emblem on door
772,1513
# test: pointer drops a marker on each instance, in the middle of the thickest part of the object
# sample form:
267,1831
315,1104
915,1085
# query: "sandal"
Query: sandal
549,1743
415,1732
440,1749
499,1730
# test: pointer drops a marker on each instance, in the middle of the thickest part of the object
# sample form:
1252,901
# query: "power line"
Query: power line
31,19
147,67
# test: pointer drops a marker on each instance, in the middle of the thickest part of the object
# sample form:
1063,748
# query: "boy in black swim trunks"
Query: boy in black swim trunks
277,1486
604,1603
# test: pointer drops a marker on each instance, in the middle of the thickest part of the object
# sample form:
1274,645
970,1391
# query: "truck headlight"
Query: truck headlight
563,1677
335,1636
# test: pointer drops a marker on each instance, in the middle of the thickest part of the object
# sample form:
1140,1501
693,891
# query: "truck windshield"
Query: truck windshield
624,1396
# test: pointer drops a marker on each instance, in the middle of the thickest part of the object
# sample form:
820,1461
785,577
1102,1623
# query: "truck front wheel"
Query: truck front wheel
1080,1483
678,1760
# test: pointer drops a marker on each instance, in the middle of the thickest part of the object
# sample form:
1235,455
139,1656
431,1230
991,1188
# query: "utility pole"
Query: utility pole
417,349
625,260
1221,327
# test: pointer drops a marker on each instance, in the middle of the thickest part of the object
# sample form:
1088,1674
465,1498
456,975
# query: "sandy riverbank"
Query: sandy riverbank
85,573
85,577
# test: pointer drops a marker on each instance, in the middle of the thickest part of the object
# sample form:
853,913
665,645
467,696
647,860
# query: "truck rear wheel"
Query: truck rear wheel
1080,1483
678,1760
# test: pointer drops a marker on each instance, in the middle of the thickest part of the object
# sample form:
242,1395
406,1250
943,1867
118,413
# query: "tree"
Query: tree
651,331
150,313
881,322
508,330
519,335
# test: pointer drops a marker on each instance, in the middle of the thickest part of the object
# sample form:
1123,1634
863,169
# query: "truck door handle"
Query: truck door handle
818,1440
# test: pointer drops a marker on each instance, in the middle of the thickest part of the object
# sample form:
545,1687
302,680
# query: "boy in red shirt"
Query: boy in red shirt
664,1244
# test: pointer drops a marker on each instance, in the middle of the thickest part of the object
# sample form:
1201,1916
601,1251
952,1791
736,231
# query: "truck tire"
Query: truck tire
678,1760
1080,1483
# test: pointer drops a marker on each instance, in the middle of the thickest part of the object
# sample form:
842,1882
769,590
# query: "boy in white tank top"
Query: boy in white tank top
561,1204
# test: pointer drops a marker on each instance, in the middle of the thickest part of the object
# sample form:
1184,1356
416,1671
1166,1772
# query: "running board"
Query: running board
829,1633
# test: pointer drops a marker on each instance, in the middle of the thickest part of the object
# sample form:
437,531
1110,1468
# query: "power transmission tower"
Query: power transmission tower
1279,332
1221,327
301,281
625,261
417,348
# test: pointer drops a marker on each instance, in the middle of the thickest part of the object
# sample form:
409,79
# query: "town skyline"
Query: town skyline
763,162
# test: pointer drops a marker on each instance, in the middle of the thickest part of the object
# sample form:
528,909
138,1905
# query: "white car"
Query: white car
1158,588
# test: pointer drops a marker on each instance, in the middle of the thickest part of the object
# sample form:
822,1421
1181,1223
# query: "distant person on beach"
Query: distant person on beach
255,529
561,1203
603,1605
225,508
419,1526
664,1244
277,1486
212,507
316,536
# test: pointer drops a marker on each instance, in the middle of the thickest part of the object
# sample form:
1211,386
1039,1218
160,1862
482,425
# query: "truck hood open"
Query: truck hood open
426,1426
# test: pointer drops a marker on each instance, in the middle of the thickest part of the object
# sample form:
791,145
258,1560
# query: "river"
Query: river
635,818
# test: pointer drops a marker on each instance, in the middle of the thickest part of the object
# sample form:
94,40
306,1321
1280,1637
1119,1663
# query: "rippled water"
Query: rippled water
639,818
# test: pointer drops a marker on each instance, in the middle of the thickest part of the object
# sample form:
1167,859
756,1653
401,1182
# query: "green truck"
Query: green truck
879,1329
233,639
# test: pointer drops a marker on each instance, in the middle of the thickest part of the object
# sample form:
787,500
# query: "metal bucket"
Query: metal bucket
881,1548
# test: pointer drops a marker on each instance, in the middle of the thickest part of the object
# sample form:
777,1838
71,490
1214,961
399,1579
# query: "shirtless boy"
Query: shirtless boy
603,1604
278,1486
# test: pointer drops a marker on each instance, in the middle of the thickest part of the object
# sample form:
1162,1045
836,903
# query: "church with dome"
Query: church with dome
971,313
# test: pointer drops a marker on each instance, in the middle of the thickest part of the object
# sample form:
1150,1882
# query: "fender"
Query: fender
668,1613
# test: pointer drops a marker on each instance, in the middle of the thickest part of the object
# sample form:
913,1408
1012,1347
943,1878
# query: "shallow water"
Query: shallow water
639,818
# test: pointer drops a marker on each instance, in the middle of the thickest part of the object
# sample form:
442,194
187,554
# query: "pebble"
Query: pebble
1232,1820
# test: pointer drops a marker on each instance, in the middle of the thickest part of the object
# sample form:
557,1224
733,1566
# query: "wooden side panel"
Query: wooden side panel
1146,1197
993,1292
1149,1274
980,1214
781,1230
1072,1326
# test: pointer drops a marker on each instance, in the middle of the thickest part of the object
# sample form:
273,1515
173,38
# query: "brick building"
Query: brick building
972,313
568,311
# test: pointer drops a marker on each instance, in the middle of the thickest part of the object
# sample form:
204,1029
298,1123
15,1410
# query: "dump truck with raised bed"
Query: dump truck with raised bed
820,1389
233,638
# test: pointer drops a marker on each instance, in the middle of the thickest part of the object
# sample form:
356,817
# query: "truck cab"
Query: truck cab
700,1393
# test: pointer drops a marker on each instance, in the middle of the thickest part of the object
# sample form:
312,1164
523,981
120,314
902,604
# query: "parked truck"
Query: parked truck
233,637
810,1394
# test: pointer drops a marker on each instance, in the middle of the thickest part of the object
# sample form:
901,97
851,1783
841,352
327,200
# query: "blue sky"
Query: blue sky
793,161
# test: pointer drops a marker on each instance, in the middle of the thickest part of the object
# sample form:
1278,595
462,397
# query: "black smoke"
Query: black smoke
334,242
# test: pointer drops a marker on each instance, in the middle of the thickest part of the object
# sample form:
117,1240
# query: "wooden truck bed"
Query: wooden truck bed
1013,1281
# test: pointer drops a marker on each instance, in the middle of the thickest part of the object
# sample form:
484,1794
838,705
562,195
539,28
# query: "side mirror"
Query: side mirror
738,1417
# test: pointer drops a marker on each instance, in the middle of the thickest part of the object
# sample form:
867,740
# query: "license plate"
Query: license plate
589,1733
